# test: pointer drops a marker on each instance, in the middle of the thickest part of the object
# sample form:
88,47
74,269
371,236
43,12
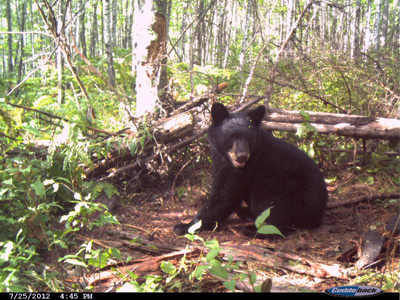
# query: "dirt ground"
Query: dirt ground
151,213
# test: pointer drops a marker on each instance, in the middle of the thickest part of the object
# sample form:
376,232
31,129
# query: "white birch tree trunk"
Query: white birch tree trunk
377,23
367,35
108,41
149,36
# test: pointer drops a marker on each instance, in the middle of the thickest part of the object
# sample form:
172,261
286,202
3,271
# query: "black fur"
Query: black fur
276,174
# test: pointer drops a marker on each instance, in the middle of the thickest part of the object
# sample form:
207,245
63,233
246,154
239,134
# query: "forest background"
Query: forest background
78,77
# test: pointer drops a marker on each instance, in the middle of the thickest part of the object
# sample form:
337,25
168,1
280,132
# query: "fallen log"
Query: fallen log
338,124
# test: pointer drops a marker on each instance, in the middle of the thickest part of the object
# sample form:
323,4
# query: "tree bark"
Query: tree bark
150,42
377,23
9,38
355,40
60,60
385,22
339,124
94,35
21,68
82,29
367,35
109,42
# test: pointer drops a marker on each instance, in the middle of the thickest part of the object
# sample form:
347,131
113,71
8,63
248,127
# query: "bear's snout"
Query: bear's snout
239,153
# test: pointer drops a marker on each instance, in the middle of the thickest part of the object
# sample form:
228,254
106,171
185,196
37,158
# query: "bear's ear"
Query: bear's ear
257,114
219,113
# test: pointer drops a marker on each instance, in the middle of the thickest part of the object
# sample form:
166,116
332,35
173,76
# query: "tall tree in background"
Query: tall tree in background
10,39
355,40
59,54
108,37
81,30
94,32
149,40
22,42
377,23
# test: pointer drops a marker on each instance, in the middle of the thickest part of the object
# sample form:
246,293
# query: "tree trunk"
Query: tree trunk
367,35
94,34
199,33
108,41
385,22
355,41
128,24
82,33
9,38
150,41
60,60
22,45
114,16
377,23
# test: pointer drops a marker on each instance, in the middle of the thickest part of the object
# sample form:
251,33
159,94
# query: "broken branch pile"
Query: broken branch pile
339,124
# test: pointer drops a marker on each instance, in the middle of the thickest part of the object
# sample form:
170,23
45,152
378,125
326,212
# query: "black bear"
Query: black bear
250,165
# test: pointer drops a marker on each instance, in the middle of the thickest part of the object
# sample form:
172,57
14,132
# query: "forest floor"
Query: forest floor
150,215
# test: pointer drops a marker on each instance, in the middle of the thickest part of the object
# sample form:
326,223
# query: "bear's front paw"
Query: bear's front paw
181,229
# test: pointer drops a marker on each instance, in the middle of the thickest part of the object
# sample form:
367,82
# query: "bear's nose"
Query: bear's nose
242,156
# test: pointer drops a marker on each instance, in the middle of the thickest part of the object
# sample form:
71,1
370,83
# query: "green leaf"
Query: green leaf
39,188
253,278
261,218
269,229
198,272
305,115
168,267
369,180
213,244
262,228
76,262
32,130
212,254
100,261
230,285
115,253
219,272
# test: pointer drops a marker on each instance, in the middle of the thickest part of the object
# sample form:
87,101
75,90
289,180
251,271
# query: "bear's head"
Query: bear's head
235,134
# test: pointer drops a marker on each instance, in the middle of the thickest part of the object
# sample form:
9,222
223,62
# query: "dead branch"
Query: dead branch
364,198
140,267
58,117
290,262
268,92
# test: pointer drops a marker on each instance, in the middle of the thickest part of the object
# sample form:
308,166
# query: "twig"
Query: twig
26,32
31,73
59,118
246,85
363,199
180,171
198,18
267,95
